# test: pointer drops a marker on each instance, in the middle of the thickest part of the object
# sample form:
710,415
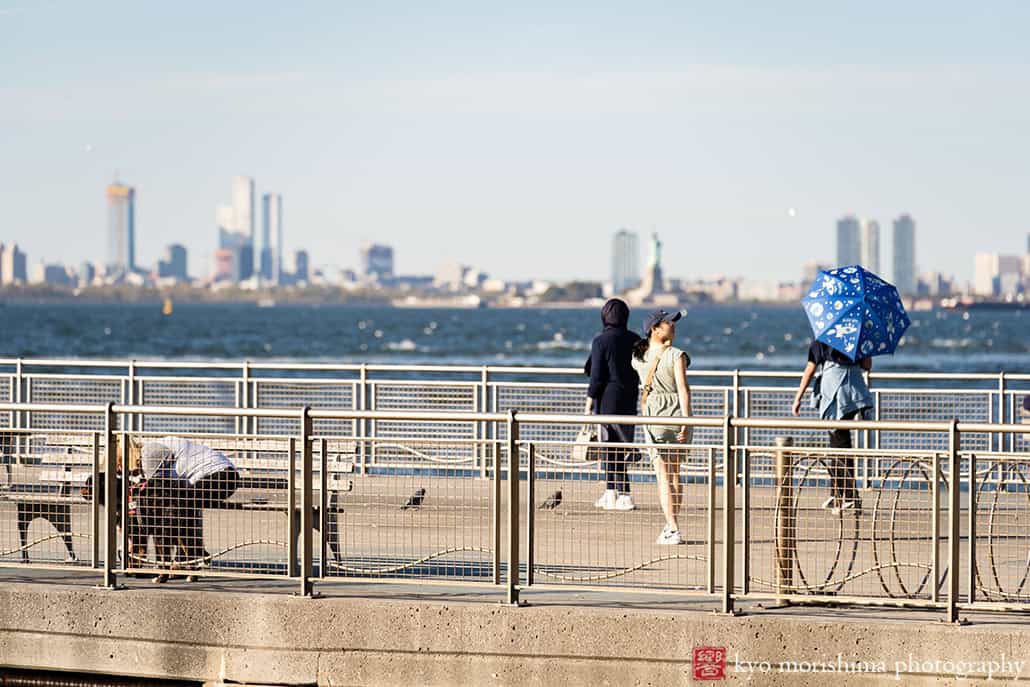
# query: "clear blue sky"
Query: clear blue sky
519,137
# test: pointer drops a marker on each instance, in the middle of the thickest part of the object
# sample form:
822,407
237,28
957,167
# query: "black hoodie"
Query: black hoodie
613,381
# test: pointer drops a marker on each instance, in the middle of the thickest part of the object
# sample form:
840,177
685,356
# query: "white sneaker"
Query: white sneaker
607,500
624,502
829,503
71,558
669,537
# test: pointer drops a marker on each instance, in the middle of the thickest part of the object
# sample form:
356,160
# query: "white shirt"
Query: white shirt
172,457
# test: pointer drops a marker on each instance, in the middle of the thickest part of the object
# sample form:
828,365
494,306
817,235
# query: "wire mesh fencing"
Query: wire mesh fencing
814,525
46,511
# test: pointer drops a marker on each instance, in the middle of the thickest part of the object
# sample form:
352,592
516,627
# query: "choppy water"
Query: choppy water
717,337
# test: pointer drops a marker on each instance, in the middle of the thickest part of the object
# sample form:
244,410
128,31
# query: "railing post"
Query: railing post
1003,439
17,396
729,517
935,527
323,508
94,505
291,510
514,509
530,514
306,502
496,511
134,422
786,519
971,527
362,423
110,498
712,491
249,424
954,521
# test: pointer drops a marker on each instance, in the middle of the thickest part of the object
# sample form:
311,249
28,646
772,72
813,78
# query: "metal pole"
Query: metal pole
729,515
971,526
124,500
513,509
362,424
496,511
1003,439
935,526
110,499
133,419
249,425
786,520
291,510
94,505
323,507
711,519
954,522
306,502
530,514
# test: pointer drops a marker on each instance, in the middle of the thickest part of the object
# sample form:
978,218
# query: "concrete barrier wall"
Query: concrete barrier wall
279,639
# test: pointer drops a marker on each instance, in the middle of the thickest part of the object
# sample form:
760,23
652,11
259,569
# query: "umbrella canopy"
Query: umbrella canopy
855,312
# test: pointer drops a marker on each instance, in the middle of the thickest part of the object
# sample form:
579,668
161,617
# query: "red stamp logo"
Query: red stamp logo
709,663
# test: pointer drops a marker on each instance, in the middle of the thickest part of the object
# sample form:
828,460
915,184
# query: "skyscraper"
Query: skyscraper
849,250
121,228
243,206
12,266
625,261
173,264
871,246
271,237
300,265
376,261
904,255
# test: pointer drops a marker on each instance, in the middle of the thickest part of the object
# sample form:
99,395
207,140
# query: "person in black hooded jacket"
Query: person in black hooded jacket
613,391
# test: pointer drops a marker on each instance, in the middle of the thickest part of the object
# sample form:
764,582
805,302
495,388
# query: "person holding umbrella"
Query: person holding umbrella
854,315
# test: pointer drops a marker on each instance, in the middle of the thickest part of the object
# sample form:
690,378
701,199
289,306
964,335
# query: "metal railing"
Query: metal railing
470,498
920,397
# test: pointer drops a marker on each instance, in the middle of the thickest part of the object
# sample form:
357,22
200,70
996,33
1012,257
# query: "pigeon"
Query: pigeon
552,501
415,500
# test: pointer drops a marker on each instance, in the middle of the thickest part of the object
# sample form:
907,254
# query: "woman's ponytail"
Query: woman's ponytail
640,348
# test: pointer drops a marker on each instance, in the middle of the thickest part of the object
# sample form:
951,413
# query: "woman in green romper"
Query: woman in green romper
668,395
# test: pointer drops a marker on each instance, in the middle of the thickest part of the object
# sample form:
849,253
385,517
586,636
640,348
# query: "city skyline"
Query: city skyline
450,129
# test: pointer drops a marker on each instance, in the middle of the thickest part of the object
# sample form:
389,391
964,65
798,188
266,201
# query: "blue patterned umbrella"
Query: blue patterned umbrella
855,312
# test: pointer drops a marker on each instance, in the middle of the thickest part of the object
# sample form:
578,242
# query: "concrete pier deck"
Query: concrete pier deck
362,633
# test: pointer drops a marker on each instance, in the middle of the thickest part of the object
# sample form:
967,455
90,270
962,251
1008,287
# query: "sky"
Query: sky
518,137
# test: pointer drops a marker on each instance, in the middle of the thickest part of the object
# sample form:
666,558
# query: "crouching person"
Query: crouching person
194,476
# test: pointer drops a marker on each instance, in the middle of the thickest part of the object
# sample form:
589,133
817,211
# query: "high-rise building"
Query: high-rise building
87,273
224,264
173,265
121,228
12,266
903,255
271,237
997,275
625,261
376,261
849,245
300,265
243,206
871,246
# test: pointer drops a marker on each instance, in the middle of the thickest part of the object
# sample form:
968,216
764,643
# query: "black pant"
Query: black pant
842,468
208,492
616,460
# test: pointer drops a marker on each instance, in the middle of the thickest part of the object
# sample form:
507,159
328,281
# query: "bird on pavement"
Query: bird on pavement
552,501
415,500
